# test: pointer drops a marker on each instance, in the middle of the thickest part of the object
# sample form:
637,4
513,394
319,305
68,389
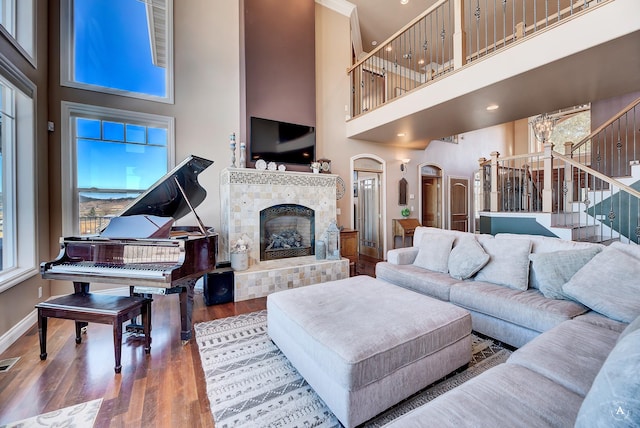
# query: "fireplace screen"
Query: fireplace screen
286,230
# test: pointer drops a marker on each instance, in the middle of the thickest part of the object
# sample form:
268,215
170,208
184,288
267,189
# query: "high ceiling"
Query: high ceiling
380,19
581,69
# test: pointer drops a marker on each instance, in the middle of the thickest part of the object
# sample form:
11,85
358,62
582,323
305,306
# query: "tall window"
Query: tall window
17,22
17,178
114,156
122,47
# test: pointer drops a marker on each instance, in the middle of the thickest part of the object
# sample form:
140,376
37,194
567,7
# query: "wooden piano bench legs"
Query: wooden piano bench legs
84,308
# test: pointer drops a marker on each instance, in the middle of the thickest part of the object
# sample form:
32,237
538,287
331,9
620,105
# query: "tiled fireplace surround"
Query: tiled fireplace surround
244,193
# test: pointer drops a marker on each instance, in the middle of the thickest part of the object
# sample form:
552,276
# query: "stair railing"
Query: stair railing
586,203
613,147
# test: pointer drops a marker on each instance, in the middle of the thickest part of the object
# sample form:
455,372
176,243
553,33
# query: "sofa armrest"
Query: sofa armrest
402,256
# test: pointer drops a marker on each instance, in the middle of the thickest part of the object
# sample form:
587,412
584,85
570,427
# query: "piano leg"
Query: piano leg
42,333
186,308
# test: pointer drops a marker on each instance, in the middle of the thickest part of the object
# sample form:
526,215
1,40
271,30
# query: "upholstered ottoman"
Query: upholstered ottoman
364,344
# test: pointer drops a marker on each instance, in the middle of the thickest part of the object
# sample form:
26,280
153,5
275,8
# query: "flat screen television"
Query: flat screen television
282,142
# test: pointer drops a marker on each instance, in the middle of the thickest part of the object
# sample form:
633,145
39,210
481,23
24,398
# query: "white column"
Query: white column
459,35
494,182
547,190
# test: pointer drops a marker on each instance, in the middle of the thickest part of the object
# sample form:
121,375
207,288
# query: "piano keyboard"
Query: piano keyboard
152,271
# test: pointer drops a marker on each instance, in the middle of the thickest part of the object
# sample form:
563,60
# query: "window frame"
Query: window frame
24,240
71,110
24,17
67,54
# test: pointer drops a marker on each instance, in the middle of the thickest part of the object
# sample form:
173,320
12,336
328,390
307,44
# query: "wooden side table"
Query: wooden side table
349,248
404,228
99,308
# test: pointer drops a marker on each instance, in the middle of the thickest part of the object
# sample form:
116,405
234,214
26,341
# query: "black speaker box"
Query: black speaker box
218,285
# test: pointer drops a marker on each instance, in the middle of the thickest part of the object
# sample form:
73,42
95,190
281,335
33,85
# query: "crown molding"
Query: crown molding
341,6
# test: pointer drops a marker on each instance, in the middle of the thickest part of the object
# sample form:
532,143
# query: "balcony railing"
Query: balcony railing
450,35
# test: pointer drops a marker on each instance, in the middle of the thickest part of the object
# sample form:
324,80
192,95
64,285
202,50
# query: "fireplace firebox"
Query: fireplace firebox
286,230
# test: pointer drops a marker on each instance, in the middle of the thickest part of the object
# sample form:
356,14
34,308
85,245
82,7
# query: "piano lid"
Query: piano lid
165,199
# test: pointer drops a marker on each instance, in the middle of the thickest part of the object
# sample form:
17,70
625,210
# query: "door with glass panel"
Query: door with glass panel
368,219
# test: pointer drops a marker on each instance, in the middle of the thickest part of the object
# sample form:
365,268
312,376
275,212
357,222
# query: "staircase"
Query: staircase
580,200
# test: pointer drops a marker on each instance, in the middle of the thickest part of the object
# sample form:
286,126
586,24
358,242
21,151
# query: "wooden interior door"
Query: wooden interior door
459,204
431,202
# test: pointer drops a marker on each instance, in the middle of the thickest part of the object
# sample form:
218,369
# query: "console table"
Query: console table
349,248
404,228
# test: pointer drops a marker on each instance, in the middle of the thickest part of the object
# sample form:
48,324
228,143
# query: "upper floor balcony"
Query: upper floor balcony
437,76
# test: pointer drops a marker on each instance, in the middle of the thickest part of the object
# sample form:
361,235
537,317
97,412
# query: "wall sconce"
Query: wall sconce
403,165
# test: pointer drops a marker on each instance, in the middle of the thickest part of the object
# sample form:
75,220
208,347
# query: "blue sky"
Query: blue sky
112,49
112,46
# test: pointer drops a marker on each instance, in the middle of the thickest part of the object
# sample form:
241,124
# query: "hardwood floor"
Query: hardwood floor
163,389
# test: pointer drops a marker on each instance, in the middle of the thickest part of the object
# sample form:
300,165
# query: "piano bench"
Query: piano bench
84,308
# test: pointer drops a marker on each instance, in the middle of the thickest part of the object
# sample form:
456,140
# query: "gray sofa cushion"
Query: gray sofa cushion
509,263
467,258
608,284
433,252
527,308
547,244
570,354
434,284
614,397
508,395
600,320
554,269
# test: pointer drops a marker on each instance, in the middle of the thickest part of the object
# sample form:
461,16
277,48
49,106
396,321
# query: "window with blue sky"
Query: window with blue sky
119,46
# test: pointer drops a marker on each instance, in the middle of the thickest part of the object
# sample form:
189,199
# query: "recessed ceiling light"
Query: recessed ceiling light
493,107
374,42
401,134
404,1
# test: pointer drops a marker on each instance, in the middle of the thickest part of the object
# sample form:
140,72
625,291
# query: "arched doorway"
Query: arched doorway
431,195
369,213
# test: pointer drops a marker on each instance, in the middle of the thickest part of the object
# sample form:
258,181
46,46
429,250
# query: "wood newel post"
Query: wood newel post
480,202
494,182
459,35
567,189
547,190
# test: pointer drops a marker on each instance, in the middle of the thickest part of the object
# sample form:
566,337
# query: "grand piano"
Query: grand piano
142,248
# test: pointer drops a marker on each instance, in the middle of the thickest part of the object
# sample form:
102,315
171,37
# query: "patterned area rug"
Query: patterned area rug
81,415
250,383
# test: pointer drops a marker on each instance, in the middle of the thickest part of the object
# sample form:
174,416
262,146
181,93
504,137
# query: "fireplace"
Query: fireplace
286,230
247,198
246,192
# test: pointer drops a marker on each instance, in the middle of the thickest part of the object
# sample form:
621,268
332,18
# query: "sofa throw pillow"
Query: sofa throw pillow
467,258
509,263
608,284
433,252
633,326
613,399
552,270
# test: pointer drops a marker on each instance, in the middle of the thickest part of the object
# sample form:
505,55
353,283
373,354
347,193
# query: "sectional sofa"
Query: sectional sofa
572,309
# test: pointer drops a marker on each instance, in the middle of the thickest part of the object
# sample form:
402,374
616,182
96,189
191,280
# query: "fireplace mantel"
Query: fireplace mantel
244,192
